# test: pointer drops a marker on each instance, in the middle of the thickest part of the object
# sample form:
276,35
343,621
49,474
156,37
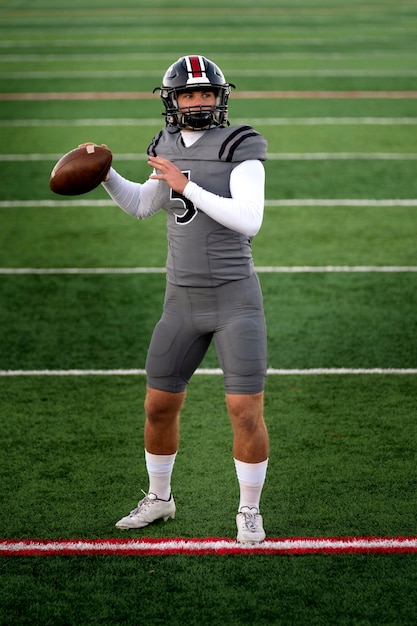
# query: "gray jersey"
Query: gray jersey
202,252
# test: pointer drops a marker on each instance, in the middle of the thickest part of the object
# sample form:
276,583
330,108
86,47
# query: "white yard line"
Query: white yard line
255,73
335,202
342,371
238,95
293,269
337,156
300,202
264,121
91,42
277,156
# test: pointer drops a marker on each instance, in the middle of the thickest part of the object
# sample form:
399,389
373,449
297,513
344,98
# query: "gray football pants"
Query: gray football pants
231,314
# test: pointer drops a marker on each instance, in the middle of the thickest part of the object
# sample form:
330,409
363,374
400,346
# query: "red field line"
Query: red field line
165,547
144,95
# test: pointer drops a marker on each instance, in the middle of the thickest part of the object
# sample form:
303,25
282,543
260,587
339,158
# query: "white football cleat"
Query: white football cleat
249,526
148,510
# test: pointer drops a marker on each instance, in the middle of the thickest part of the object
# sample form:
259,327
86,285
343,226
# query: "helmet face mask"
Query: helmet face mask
197,118
194,73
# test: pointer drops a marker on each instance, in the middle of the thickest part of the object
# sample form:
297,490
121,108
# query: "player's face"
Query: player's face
199,99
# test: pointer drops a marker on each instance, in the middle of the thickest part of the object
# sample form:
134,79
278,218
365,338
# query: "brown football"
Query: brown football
80,170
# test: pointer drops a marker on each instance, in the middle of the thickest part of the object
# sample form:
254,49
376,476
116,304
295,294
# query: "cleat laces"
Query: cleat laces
250,520
144,503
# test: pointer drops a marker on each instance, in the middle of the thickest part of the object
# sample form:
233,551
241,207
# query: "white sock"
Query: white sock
251,477
160,468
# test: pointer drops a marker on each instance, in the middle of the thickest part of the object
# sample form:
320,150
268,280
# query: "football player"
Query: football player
209,179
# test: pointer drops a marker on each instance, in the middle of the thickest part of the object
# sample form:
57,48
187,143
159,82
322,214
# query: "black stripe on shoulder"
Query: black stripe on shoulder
227,142
238,142
234,140
152,146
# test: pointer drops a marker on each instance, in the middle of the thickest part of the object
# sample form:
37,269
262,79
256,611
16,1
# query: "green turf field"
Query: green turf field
81,287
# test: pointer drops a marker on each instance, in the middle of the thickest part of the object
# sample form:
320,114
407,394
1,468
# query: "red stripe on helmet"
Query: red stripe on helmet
195,67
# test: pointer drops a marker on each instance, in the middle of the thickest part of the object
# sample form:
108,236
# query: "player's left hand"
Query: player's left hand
168,172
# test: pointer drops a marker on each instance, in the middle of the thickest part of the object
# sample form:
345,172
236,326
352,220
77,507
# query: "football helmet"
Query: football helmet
194,72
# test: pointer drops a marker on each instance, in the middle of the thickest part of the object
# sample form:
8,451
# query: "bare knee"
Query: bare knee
162,421
162,406
246,411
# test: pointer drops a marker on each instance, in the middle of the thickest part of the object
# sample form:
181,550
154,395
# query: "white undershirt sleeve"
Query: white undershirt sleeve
243,212
139,200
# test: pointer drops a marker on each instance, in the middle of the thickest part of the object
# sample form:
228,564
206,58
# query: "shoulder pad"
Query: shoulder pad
243,143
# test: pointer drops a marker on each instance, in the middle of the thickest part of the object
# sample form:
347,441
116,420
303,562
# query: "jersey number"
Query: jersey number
190,210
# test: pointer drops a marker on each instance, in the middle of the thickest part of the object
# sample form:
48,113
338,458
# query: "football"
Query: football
80,170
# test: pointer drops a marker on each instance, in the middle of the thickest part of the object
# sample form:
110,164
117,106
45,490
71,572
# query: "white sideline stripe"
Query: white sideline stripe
219,546
277,156
341,371
336,202
295,269
267,121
